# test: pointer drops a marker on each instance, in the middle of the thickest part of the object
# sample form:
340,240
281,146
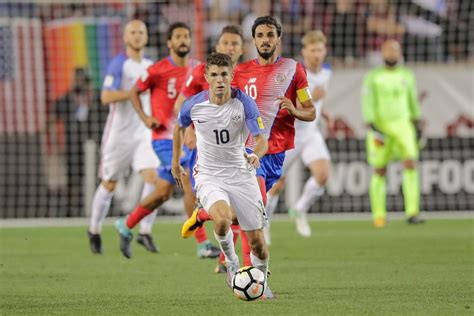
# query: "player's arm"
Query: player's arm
368,100
327,118
143,84
255,126
306,112
318,93
111,91
413,100
176,168
184,120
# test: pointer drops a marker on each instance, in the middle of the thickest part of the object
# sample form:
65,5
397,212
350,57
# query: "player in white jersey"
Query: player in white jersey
224,173
126,142
309,143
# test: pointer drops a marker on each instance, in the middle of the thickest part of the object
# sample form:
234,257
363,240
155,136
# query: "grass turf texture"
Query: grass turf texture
346,268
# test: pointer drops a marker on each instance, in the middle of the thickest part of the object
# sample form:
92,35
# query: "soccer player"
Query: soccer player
164,79
224,173
230,42
392,114
276,84
126,141
309,143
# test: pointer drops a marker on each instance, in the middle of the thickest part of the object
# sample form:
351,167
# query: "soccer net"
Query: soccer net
53,56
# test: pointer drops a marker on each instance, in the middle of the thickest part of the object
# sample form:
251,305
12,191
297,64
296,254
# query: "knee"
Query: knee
109,185
381,171
409,164
322,176
222,224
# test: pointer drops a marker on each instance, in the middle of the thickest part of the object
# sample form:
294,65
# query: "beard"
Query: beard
182,53
266,55
390,63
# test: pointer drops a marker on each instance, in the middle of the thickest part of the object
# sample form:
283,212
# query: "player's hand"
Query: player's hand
286,103
253,160
378,135
151,122
318,93
178,171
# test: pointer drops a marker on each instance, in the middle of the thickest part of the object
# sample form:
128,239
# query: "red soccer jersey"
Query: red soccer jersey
264,83
165,80
196,82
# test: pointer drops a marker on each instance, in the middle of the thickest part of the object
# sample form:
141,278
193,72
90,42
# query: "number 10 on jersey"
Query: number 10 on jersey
251,90
222,136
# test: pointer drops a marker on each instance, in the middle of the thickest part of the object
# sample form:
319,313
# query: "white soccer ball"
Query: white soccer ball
248,283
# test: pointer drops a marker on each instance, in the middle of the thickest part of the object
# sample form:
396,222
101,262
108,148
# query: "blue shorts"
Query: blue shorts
271,167
164,150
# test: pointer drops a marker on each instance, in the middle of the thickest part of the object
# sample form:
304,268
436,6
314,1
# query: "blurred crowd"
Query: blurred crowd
429,30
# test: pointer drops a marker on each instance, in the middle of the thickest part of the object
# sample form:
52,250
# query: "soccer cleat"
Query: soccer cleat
207,250
302,226
95,243
220,268
267,293
380,222
126,237
232,268
191,224
147,241
415,220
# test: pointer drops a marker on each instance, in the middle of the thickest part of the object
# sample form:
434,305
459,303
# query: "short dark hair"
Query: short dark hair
266,20
218,59
177,25
232,29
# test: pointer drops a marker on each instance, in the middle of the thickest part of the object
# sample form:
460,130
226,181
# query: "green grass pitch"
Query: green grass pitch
345,268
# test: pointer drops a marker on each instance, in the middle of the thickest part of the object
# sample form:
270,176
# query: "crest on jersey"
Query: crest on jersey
237,118
280,78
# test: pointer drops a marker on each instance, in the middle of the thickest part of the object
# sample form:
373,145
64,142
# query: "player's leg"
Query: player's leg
205,249
315,156
115,158
312,190
408,150
163,189
250,213
273,197
100,207
378,156
144,237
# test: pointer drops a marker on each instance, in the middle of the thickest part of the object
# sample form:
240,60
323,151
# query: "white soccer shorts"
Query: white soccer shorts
241,192
312,147
118,158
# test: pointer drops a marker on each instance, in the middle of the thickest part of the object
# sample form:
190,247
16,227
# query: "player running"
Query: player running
126,141
392,114
230,42
276,84
224,173
164,79
309,143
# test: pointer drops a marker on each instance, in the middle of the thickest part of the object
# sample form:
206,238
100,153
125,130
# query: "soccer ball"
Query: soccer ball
248,283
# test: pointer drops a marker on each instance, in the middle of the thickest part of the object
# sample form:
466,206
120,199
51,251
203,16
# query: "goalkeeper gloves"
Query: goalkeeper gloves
378,135
420,135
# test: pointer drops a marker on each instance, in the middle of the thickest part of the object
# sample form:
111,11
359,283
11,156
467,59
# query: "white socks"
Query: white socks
227,247
272,202
100,208
260,264
311,192
147,222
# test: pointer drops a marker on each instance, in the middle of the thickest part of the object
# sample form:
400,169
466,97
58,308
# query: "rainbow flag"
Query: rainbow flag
72,43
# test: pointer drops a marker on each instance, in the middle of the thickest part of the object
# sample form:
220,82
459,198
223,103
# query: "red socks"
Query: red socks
136,216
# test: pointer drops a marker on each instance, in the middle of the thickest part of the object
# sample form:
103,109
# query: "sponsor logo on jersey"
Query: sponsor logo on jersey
201,121
252,80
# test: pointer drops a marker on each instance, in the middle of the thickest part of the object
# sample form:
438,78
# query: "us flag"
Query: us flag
22,79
